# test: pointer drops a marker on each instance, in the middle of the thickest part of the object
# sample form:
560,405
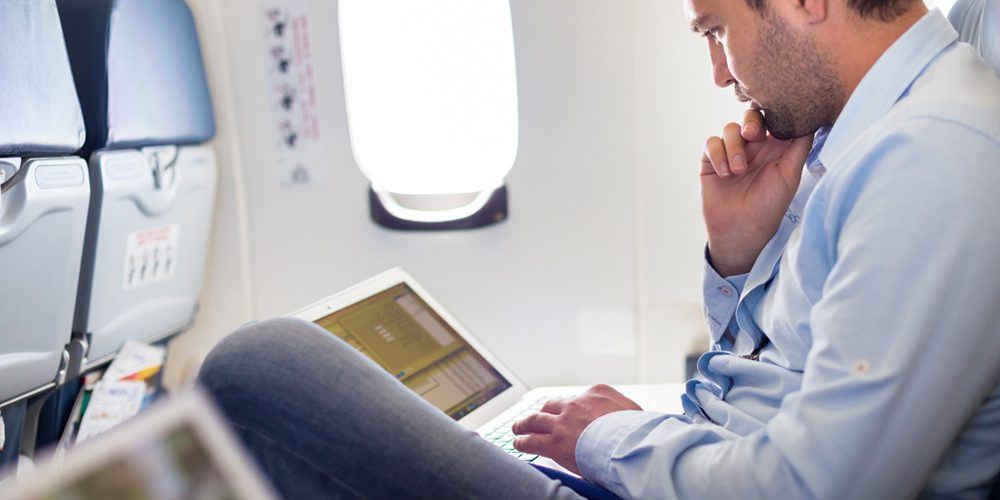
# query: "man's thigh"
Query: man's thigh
324,420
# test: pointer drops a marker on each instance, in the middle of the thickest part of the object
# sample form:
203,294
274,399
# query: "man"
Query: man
851,291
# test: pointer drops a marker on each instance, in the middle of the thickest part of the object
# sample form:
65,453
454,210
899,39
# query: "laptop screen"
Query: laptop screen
400,332
179,449
172,466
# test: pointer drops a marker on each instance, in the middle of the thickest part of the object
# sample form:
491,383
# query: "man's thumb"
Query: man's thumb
795,156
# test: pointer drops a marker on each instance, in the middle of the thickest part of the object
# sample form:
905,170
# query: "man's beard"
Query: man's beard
803,88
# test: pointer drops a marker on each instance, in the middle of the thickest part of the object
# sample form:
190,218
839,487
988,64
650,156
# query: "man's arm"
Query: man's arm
554,430
905,338
748,179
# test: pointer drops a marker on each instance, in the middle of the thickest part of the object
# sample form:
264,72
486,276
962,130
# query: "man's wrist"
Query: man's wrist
727,267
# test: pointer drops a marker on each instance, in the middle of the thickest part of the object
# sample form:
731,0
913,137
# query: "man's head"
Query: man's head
883,10
797,60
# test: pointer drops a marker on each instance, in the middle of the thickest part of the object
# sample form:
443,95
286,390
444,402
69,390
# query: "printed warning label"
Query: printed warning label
151,256
289,44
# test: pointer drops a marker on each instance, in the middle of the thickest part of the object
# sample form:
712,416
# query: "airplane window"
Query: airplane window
431,96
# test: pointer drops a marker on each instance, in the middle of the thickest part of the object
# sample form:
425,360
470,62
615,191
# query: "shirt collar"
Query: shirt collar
813,163
888,81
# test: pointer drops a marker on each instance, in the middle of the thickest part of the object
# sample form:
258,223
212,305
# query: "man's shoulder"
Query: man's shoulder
936,142
951,111
957,89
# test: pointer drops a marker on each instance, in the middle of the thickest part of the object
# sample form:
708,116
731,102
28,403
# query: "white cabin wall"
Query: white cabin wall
596,275
227,293
677,109
552,291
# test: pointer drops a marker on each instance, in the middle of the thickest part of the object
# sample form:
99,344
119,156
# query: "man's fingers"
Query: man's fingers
735,154
753,126
554,406
714,159
794,158
535,444
536,423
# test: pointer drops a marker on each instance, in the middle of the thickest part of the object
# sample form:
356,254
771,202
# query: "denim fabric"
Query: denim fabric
323,421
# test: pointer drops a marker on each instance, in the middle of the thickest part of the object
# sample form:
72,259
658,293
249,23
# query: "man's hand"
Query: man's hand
748,179
554,431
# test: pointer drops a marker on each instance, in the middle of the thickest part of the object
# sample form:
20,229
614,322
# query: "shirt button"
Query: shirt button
726,291
861,366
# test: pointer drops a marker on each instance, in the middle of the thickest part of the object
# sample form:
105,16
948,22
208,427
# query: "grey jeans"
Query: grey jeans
323,421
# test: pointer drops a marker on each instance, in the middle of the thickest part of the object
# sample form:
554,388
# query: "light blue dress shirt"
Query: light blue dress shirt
880,296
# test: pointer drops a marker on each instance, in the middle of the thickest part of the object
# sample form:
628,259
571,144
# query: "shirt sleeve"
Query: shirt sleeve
721,297
903,356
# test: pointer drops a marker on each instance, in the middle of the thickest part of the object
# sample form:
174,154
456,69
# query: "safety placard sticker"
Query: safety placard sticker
151,256
289,44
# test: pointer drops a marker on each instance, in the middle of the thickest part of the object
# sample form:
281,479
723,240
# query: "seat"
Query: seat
978,24
138,70
44,195
43,199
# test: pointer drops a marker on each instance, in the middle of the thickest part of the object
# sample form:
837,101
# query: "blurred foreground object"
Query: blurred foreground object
179,449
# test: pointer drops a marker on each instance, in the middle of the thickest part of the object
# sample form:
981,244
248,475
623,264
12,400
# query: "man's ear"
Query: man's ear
815,11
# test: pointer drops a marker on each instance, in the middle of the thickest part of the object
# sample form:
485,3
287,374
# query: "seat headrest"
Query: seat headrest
978,23
39,111
138,71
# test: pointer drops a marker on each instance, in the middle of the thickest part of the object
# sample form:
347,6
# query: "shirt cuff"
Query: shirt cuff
721,296
597,445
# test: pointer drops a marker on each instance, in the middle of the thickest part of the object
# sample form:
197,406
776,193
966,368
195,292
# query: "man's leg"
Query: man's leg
324,421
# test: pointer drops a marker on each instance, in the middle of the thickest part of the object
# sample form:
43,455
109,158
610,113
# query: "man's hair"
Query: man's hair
883,10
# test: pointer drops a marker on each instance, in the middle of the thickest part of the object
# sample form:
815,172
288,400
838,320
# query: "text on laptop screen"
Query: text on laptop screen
400,332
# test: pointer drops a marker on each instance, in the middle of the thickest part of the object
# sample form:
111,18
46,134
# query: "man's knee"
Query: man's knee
260,339
261,355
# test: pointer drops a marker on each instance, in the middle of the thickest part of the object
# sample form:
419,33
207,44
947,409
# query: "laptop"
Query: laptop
394,321
178,449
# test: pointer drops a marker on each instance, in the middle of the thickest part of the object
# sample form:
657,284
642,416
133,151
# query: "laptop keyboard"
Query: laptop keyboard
503,437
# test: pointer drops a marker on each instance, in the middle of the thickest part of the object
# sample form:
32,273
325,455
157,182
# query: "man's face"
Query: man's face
778,70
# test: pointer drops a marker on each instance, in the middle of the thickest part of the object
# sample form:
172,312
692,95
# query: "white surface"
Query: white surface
944,5
677,109
606,330
615,103
431,93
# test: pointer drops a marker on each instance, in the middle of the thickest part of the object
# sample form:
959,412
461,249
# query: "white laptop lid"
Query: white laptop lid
178,449
395,322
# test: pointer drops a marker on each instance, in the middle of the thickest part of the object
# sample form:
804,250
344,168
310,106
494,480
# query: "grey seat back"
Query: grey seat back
43,198
139,73
978,23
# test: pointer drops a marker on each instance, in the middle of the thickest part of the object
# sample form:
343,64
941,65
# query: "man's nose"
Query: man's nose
720,68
